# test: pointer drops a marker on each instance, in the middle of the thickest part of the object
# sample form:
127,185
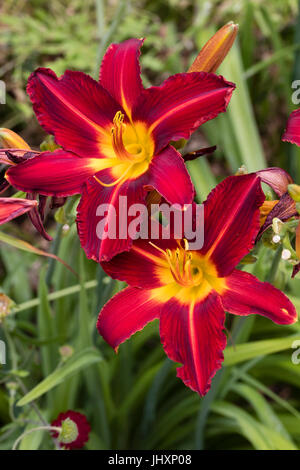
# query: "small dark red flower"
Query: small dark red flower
75,429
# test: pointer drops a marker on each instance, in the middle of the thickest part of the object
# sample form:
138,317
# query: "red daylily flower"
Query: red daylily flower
189,291
75,429
115,137
10,208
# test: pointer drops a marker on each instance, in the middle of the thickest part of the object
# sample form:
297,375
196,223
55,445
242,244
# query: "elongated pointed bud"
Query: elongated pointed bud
215,50
10,140
294,192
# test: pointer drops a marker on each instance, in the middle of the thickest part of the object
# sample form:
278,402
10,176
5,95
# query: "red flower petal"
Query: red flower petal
35,217
83,427
193,335
169,176
74,108
292,132
87,220
277,178
10,208
231,220
120,72
181,104
247,295
126,313
57,173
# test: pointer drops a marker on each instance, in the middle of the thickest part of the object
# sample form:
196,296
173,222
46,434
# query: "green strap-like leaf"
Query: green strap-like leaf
80,360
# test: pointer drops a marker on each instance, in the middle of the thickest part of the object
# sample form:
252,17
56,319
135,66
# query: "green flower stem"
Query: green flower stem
55,295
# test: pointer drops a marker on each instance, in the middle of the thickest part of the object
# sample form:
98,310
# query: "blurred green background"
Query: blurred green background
134,400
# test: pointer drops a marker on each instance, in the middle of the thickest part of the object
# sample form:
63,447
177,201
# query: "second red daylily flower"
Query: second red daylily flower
115,137
189,291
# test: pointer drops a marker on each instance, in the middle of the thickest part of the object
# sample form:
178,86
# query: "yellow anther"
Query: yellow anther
118,119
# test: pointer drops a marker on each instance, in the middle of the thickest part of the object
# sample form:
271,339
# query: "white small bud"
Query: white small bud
286,254
276,239
66,228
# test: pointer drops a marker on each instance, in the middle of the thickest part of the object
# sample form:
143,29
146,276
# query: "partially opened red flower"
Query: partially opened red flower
13,150
10,208
16,151
75,429
115,137
189,291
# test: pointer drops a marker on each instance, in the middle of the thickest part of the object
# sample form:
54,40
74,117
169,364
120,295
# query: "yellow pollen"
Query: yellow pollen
129,147
117,138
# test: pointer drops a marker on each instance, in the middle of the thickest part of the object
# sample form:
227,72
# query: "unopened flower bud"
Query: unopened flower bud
66,228
11,140
277,225
242,171
66,351
5,306
286,254
215,50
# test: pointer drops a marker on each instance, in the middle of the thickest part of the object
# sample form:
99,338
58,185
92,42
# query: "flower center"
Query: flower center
132,147
126,141
69,431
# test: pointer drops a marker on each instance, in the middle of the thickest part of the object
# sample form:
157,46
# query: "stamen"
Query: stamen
186,244
181,267
117,137
157,247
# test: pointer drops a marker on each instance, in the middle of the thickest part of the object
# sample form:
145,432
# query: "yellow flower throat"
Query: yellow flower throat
129,148
187,275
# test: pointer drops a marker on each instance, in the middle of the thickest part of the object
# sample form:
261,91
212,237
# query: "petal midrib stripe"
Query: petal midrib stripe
183,105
